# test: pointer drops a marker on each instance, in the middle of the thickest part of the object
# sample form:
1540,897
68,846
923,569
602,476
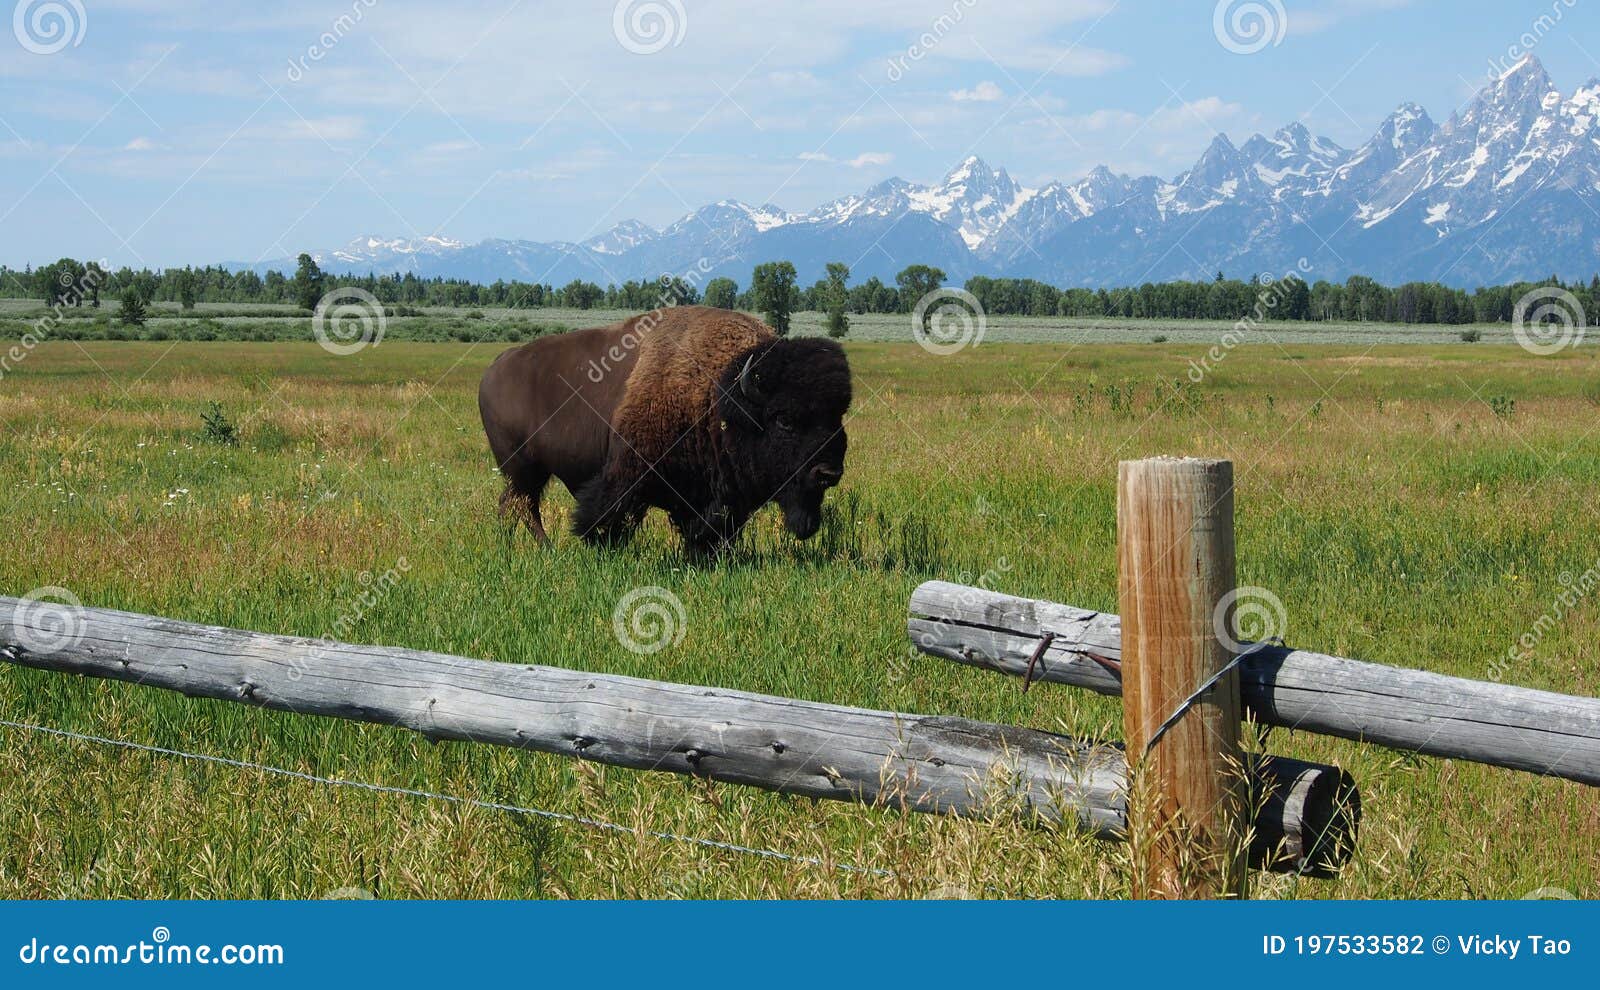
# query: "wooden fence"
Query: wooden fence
918,762
1186,694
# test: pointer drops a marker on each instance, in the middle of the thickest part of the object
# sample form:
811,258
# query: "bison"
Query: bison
702,412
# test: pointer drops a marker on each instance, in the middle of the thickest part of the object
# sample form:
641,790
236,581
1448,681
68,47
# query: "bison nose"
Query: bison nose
825,476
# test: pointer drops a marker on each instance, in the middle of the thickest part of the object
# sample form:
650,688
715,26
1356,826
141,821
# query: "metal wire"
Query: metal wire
1207,685
594,823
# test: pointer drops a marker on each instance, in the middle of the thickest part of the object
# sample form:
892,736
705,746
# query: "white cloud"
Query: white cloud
862,160
324,129
140,144
448,148
1313,20
984,92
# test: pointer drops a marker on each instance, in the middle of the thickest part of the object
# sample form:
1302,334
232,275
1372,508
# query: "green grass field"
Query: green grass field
1413,504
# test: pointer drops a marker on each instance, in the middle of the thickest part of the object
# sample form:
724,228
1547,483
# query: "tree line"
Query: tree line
775,292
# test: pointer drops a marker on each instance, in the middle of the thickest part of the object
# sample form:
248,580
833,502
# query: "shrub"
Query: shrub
1471,336
216,428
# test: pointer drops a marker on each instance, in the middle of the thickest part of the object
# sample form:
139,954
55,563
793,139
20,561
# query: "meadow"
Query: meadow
262,322
1420,504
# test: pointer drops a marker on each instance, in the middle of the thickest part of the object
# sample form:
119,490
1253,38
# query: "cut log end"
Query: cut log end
1308,818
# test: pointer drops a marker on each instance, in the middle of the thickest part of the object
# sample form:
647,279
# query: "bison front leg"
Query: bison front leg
708,531
609,508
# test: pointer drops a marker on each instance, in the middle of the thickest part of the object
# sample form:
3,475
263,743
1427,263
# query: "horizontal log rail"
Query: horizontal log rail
1305,818
1418,711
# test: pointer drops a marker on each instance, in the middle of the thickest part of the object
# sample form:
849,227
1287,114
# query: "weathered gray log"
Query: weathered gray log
922,763
1417,711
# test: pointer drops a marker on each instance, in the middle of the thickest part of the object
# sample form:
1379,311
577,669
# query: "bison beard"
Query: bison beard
714,418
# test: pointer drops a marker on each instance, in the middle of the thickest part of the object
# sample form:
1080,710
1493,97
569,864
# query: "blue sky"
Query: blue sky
167,133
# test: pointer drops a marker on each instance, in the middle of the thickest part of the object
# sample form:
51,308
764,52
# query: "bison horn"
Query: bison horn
747,384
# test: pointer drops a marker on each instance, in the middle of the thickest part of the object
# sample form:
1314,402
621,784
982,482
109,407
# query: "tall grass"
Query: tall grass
1402,521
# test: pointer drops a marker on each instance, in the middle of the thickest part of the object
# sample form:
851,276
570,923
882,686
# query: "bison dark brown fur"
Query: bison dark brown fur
702,412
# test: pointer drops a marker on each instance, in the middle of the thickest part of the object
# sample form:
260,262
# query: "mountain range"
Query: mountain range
1508,188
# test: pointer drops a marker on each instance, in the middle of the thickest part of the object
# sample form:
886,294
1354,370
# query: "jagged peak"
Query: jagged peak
1296,132
1528,66
973,167
968,165
1101,173
1589,92
889,186
1527,79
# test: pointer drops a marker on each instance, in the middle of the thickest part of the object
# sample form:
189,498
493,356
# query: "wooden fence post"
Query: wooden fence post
1175,564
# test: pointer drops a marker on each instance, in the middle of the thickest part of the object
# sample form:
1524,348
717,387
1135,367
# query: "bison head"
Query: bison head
782,407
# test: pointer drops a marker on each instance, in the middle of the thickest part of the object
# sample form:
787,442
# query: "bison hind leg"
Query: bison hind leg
520,503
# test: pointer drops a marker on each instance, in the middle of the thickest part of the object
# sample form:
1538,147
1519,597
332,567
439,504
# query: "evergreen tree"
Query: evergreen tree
132,307
838,294
1296,303
308,279
94,278
186,290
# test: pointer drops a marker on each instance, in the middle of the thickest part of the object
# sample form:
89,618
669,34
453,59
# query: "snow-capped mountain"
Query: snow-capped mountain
1292,161
622,238
1508,188
366,250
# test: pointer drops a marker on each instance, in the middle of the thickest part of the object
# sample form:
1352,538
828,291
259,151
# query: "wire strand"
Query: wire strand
561,816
